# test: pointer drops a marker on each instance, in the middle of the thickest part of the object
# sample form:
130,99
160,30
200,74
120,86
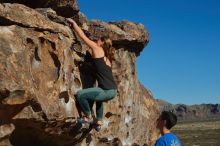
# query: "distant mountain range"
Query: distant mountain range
191,112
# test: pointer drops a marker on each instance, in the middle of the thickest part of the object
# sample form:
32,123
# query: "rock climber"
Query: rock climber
102,55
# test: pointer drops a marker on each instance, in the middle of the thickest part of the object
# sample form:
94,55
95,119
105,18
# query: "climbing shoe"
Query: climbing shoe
84,122
97,127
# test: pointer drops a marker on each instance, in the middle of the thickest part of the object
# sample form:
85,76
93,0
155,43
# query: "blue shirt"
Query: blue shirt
168,139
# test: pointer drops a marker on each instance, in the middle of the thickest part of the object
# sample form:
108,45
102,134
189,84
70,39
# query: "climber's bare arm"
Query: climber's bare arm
97,51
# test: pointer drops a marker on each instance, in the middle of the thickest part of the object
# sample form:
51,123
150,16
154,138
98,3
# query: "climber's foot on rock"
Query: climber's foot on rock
97,125
85,122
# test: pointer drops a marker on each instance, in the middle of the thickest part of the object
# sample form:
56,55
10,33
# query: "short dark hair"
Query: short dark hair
171,119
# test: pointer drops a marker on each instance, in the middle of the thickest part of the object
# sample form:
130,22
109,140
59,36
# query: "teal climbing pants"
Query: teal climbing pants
87,97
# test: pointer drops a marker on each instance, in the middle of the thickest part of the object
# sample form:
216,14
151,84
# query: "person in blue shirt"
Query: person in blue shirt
164,123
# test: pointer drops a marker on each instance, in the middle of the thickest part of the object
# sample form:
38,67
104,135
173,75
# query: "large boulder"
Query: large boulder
43,63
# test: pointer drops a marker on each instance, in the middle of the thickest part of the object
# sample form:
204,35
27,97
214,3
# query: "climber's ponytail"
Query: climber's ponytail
108,49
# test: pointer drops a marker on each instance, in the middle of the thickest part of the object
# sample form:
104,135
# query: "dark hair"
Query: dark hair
171,119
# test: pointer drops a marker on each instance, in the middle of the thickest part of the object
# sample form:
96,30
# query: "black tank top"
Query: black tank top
104,74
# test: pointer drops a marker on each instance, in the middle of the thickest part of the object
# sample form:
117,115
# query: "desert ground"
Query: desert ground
199,133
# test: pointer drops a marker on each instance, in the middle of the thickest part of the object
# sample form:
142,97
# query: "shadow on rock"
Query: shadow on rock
51,133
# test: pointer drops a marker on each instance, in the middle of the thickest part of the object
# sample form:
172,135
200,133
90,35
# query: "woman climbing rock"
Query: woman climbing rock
102,55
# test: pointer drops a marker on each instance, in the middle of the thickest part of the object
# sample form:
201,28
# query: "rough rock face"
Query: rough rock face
66,8
43,63
192,112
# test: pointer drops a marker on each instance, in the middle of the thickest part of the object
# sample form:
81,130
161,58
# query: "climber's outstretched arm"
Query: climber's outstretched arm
95,48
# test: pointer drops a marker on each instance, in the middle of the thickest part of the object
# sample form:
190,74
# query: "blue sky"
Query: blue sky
181,63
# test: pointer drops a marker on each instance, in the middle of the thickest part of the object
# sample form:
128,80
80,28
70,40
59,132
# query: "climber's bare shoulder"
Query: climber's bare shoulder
97,52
